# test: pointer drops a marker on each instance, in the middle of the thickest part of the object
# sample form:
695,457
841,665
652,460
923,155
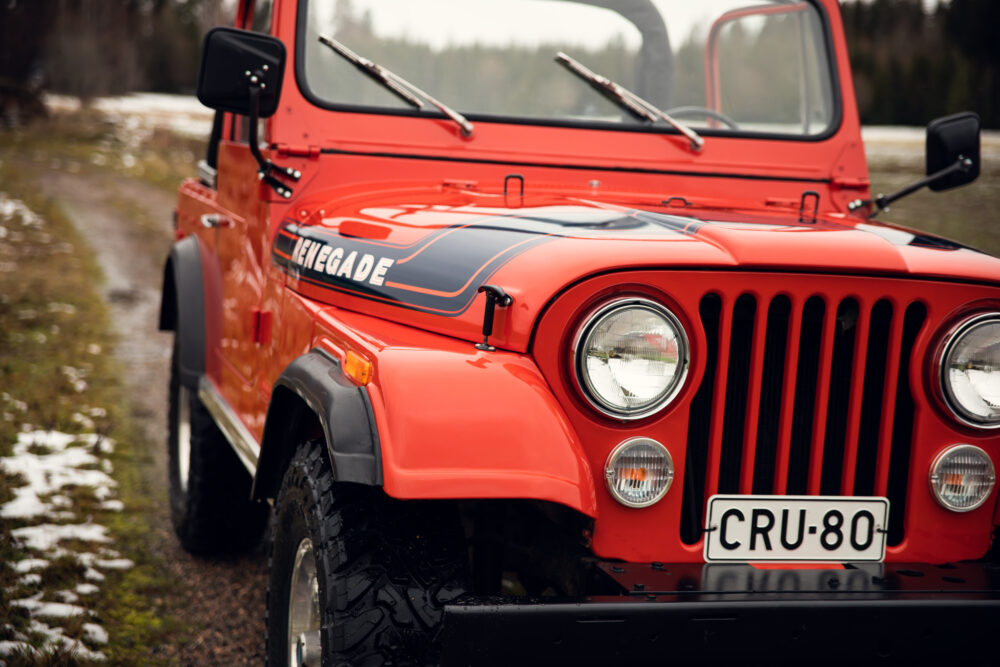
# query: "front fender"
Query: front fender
460,423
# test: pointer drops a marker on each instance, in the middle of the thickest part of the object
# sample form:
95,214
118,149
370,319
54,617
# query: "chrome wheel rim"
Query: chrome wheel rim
303,609
183,436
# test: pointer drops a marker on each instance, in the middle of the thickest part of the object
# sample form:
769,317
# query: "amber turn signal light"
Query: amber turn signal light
358,368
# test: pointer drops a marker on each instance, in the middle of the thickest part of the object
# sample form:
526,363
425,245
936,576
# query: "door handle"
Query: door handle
210,220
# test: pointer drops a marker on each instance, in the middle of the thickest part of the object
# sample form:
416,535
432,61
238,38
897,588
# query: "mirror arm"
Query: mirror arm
882,202
266,170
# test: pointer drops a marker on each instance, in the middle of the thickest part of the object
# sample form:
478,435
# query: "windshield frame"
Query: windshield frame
836,99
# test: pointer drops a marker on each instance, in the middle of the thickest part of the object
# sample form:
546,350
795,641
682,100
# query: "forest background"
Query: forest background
912,61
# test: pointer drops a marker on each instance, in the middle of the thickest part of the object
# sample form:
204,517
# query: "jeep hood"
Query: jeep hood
419,256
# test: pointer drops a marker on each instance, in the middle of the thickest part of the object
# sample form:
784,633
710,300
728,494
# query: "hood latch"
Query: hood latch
495,298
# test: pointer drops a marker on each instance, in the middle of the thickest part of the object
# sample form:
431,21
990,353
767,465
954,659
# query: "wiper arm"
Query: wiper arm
396,84
627,100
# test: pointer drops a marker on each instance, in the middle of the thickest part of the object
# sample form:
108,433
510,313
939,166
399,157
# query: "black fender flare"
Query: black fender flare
182,308
314,383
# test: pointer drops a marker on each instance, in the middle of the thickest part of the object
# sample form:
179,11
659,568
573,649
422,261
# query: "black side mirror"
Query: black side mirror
234,61
949,140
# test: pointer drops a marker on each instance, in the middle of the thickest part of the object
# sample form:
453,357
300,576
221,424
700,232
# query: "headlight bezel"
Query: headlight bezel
955,335
589,323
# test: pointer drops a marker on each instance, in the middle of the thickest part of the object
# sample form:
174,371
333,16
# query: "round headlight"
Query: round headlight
639,472
631,358
962,477
970,371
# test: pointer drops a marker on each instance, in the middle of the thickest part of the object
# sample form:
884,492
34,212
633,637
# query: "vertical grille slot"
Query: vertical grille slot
813,316
813,398
737,391
899,461
699,425
771,392
871,403
841,371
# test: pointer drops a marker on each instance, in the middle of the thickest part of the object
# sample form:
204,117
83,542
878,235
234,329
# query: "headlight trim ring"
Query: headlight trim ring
596,317
954,336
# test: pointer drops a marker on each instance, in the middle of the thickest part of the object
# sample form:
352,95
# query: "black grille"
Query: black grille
807,398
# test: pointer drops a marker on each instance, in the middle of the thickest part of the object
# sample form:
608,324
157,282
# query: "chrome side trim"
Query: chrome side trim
242,441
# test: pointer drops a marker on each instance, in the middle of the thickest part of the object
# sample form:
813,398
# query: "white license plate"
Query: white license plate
795,528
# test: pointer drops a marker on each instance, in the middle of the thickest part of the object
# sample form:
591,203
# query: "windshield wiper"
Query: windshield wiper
396,84
627,100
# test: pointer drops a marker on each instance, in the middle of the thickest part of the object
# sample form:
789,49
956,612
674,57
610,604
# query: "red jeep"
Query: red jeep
589,348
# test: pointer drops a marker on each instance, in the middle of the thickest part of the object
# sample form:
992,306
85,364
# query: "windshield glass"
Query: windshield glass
720,66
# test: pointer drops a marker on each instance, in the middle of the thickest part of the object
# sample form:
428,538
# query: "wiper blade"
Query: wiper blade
627,100
396,84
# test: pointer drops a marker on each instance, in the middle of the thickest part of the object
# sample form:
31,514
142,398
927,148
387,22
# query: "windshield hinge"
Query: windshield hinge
850,183
298,151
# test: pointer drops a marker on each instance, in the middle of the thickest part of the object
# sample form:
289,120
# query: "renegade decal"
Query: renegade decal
439,274
321,257
442,272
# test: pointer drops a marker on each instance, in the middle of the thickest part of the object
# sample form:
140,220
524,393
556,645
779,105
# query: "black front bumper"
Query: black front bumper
743,615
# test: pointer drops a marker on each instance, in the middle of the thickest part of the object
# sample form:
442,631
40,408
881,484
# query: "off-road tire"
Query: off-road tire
214,514
385,568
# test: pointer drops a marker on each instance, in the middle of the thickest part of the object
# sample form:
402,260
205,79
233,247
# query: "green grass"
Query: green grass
54,332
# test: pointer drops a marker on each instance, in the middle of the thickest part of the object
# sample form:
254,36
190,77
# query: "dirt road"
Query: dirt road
128,225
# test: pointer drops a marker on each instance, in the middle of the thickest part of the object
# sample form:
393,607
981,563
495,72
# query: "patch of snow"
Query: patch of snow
60,501
68,596
115,564
94,633
907,144
39,607
56,636
30,565
113,505
86,589
47,474
47,536
31,579
14,210
93,575
9,648
139,114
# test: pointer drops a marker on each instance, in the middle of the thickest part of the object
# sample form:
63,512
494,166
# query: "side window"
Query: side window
772,72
